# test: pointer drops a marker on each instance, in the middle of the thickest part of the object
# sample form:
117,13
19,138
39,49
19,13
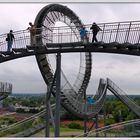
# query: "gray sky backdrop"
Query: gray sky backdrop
24,74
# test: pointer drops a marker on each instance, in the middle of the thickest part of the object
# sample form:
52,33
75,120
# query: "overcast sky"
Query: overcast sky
24,74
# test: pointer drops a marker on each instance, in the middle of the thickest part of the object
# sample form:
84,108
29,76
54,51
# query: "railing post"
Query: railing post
61,35
110,36
139,37
96,125
71,35
104,111
58,90
58,35
103,33
117,33
85,120
127,33
47,132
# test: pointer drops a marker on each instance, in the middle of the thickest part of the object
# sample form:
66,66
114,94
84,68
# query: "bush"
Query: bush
7,120
110,121
74,126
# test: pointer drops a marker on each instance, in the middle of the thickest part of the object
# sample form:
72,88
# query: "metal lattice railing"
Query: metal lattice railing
5,90
121,32
22,38
123,96
6,130
122,129
5,87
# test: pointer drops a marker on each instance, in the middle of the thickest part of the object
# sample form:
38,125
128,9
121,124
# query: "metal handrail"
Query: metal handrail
5,87
111,32
111,127
40,114
123,96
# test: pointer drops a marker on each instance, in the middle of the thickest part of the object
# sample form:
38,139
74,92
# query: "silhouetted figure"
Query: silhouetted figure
95,29
83,34
32,30
9,39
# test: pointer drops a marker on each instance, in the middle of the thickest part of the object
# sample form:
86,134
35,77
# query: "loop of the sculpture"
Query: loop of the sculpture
60,12
48,17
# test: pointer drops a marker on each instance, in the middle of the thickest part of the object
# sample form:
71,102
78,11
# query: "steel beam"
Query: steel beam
58,90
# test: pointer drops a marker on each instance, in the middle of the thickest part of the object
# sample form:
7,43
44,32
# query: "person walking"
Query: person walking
95,29
32,30
83,35
90,102
9,39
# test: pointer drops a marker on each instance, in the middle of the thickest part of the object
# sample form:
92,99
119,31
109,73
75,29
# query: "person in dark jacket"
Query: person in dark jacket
95,29
9,39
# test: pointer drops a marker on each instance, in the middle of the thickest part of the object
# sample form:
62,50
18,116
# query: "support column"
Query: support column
96,126
85,127
104,110
47,130
85,120
58,90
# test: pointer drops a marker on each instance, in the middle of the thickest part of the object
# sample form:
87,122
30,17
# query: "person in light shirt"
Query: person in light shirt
32,30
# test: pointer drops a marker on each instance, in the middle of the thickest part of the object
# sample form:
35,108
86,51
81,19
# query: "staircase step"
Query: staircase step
19,49
6,53
30,47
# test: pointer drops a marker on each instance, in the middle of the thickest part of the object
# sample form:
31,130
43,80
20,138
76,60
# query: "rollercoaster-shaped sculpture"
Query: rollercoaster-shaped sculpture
47,18
72,97
114,38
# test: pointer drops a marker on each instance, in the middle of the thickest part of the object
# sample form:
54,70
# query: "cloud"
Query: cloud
24,74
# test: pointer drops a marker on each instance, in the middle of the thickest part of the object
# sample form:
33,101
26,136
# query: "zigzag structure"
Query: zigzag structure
5,90
120,38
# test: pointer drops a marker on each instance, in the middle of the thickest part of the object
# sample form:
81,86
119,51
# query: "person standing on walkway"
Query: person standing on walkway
32,30
90,102
95,29
83,35
9,39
